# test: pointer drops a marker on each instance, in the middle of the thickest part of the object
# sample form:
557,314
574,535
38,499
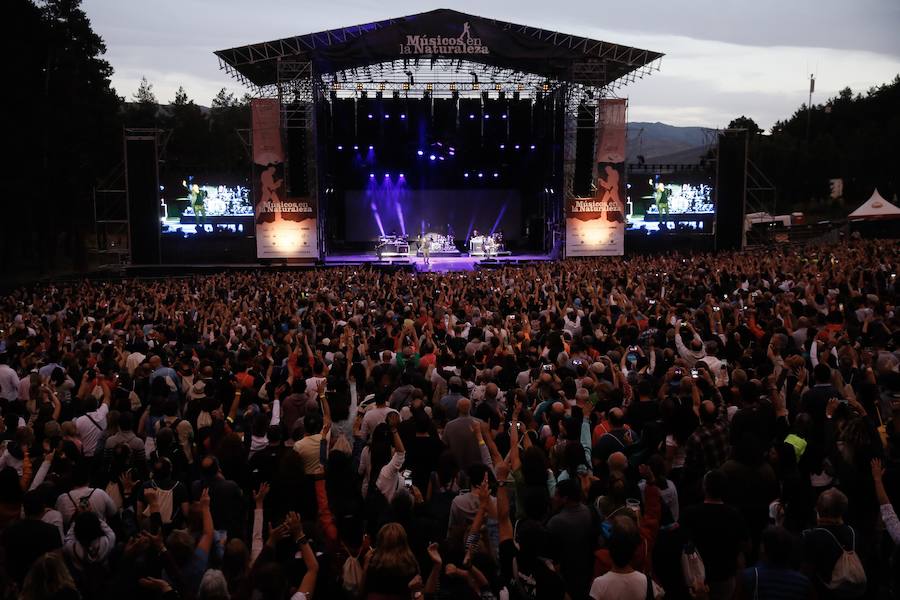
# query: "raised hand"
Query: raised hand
259,496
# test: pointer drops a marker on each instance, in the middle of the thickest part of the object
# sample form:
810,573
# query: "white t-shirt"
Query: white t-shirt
98,501
312,385
90,427
620,586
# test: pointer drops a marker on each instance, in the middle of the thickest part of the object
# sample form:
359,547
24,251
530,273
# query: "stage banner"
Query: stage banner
596,226
611,130
285,227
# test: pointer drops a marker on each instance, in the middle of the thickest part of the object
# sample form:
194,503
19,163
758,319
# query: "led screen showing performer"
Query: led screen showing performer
200,208
669,203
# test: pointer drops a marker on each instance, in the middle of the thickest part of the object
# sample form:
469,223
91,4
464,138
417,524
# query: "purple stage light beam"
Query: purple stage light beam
377,218
399,210
499,216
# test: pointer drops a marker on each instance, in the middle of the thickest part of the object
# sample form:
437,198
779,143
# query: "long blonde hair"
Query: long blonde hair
392,550
46,578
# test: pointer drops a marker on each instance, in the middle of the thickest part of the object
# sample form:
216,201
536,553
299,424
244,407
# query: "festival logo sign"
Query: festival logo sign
426,44
596,226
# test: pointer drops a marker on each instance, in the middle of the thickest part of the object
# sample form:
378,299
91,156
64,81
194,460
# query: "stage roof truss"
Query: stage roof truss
590,63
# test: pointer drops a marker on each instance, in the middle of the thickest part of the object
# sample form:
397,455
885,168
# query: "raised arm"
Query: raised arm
308,583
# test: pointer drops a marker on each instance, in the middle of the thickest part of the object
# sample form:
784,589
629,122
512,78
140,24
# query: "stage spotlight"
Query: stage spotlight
340,147
406,87
532,146
387,175
503,146
476,86
440,158
516,146
402,176
355,147
359,87
402,117
487,116
387,115
471,116
371,147
480,175
429,87
503,116
419,152
370,115
466,175
496,175
371,175
432,157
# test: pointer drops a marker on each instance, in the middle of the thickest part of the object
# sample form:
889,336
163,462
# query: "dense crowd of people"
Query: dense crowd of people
707,426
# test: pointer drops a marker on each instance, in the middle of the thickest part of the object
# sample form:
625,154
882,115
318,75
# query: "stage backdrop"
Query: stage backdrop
396,209
285,227
596,226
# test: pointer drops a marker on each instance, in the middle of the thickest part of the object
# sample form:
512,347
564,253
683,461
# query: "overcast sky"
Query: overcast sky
724,58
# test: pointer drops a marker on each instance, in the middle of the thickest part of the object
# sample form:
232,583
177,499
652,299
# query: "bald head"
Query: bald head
616,417
463,407
490,391
617,462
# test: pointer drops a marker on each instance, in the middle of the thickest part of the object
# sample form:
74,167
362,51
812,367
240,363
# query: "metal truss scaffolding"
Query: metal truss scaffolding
299,92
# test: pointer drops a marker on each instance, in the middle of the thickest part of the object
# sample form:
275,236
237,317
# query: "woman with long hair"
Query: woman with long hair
49,579
391,565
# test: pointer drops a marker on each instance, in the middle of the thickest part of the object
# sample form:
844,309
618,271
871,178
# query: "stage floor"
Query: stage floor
439,264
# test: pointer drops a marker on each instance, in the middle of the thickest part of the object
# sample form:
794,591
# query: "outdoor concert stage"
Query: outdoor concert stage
433,125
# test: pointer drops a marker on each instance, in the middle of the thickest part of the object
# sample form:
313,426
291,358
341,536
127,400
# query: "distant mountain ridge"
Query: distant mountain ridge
662,143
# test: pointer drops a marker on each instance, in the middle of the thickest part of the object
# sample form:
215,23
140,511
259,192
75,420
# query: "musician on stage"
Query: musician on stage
426,250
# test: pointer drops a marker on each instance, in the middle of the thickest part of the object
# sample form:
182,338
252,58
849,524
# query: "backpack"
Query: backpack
166,505
848,578
83,504
352,575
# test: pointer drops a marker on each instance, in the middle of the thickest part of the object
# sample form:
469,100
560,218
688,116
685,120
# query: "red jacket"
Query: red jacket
649,528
